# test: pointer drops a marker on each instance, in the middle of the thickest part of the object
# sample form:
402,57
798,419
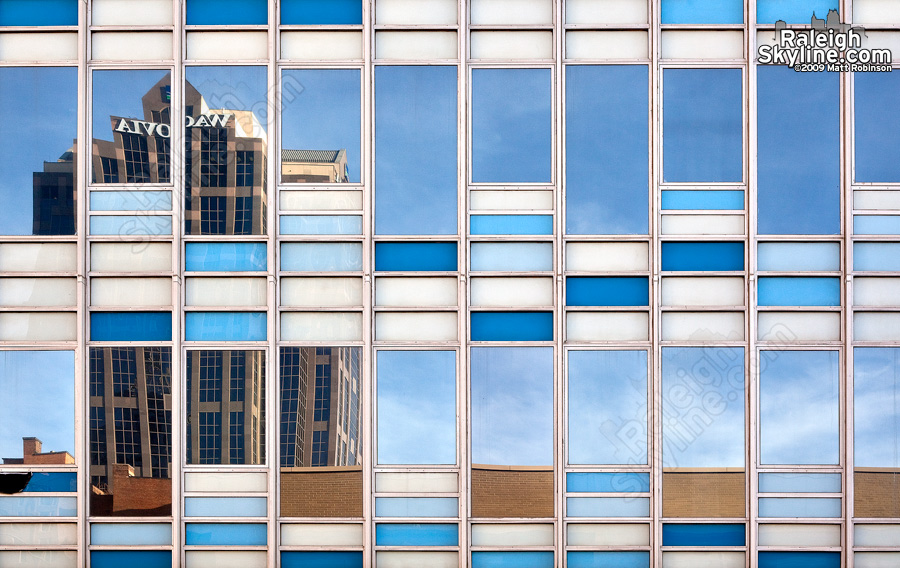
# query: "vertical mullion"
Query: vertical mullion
82,361
273,370
177,161
654,386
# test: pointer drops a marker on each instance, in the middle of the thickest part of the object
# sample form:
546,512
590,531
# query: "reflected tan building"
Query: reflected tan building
33,454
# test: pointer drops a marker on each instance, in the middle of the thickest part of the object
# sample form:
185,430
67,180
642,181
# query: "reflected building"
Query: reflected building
54,196
33,454
314,166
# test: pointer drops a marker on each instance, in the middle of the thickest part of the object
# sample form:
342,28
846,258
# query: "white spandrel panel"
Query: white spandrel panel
702,326
883,40
511,12
315,200
126,292
131,13
512,535
876,291
702,291
404,559
131,257
321,46
131,46
631,44
596,257
225,559
608,535
418,482
38,558
416,12
412,292
44,326
37,534
876,559
227,46
61,46
335,534
419,46
512,45
881,200
225,292
876,326
876,12
321,292
703,560
408,326
606,12
799,535
607,326
702,224
496,292
37,292
788,327
321,326
511,200
37,257
873,536
705,44
216,482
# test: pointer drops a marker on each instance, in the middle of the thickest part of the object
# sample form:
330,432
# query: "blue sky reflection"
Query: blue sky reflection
876,406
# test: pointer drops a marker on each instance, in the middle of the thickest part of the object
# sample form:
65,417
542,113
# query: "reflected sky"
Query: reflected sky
877,126
512,405
876,406
416,407
234,87
798,407
37,399
703,406
119,93
607,395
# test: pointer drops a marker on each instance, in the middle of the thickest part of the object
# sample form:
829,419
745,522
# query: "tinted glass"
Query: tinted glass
793,11
39,13
876,126
876,399
312,12
702,12
226,12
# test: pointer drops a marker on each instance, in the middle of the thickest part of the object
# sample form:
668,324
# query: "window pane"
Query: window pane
876,398
38,164
793,11
227,12
226,407
702,125
511,125
130,425
333,12
702,12
607,392
225,257
798,152
415,123
415,256
38,13
703,256
798,407
876,126
321,126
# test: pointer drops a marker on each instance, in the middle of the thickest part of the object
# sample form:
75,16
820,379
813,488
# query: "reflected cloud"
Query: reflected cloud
876,404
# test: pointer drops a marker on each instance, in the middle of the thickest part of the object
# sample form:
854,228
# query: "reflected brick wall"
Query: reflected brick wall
876,494
506,491
703,494
133,496
323,492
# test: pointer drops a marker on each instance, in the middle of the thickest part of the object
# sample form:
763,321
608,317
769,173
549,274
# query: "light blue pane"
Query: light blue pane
607,506
799,507
52,482
312,12
512,387
612,482
702,12
131,534
519,257
702,199
225,257
798,256
606,176
224,534
876,256
348,559
512,326
795,291
511,125
876,224
703,256
703,535
798,407
607,394
416,507
320,225
416,535
876,126
798,152
131,201
415,256
131,326
793,11
127,225
226,12
136,558
415,123
876,399
416,425
321,257
799,559
702,125
587,559
608,291
37,506
225,507
800,482
39,13
703,402
511,224
224,326
512,559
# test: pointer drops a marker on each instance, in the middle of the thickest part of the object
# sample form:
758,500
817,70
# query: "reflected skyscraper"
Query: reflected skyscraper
54,197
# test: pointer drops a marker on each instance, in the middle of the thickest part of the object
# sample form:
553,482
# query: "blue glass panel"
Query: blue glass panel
328,12
511,125
224,326
131,200
793,11
702,256
512,326
511,224
320,225
876,256
520,257
226,12
608,506
794,507
876,224
39,13
225,506
612,482
321,257
37,507
415,256
416,535
703,535
798,256
702,125
876,397
512,559
131,534
702,199
876,126
702,12
799,559
225,257
136,558
416,507
415,123
52,482
798,153
796,291
125,225
225,534
587,559
606,176
131,326
608,291
800,482
346,559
